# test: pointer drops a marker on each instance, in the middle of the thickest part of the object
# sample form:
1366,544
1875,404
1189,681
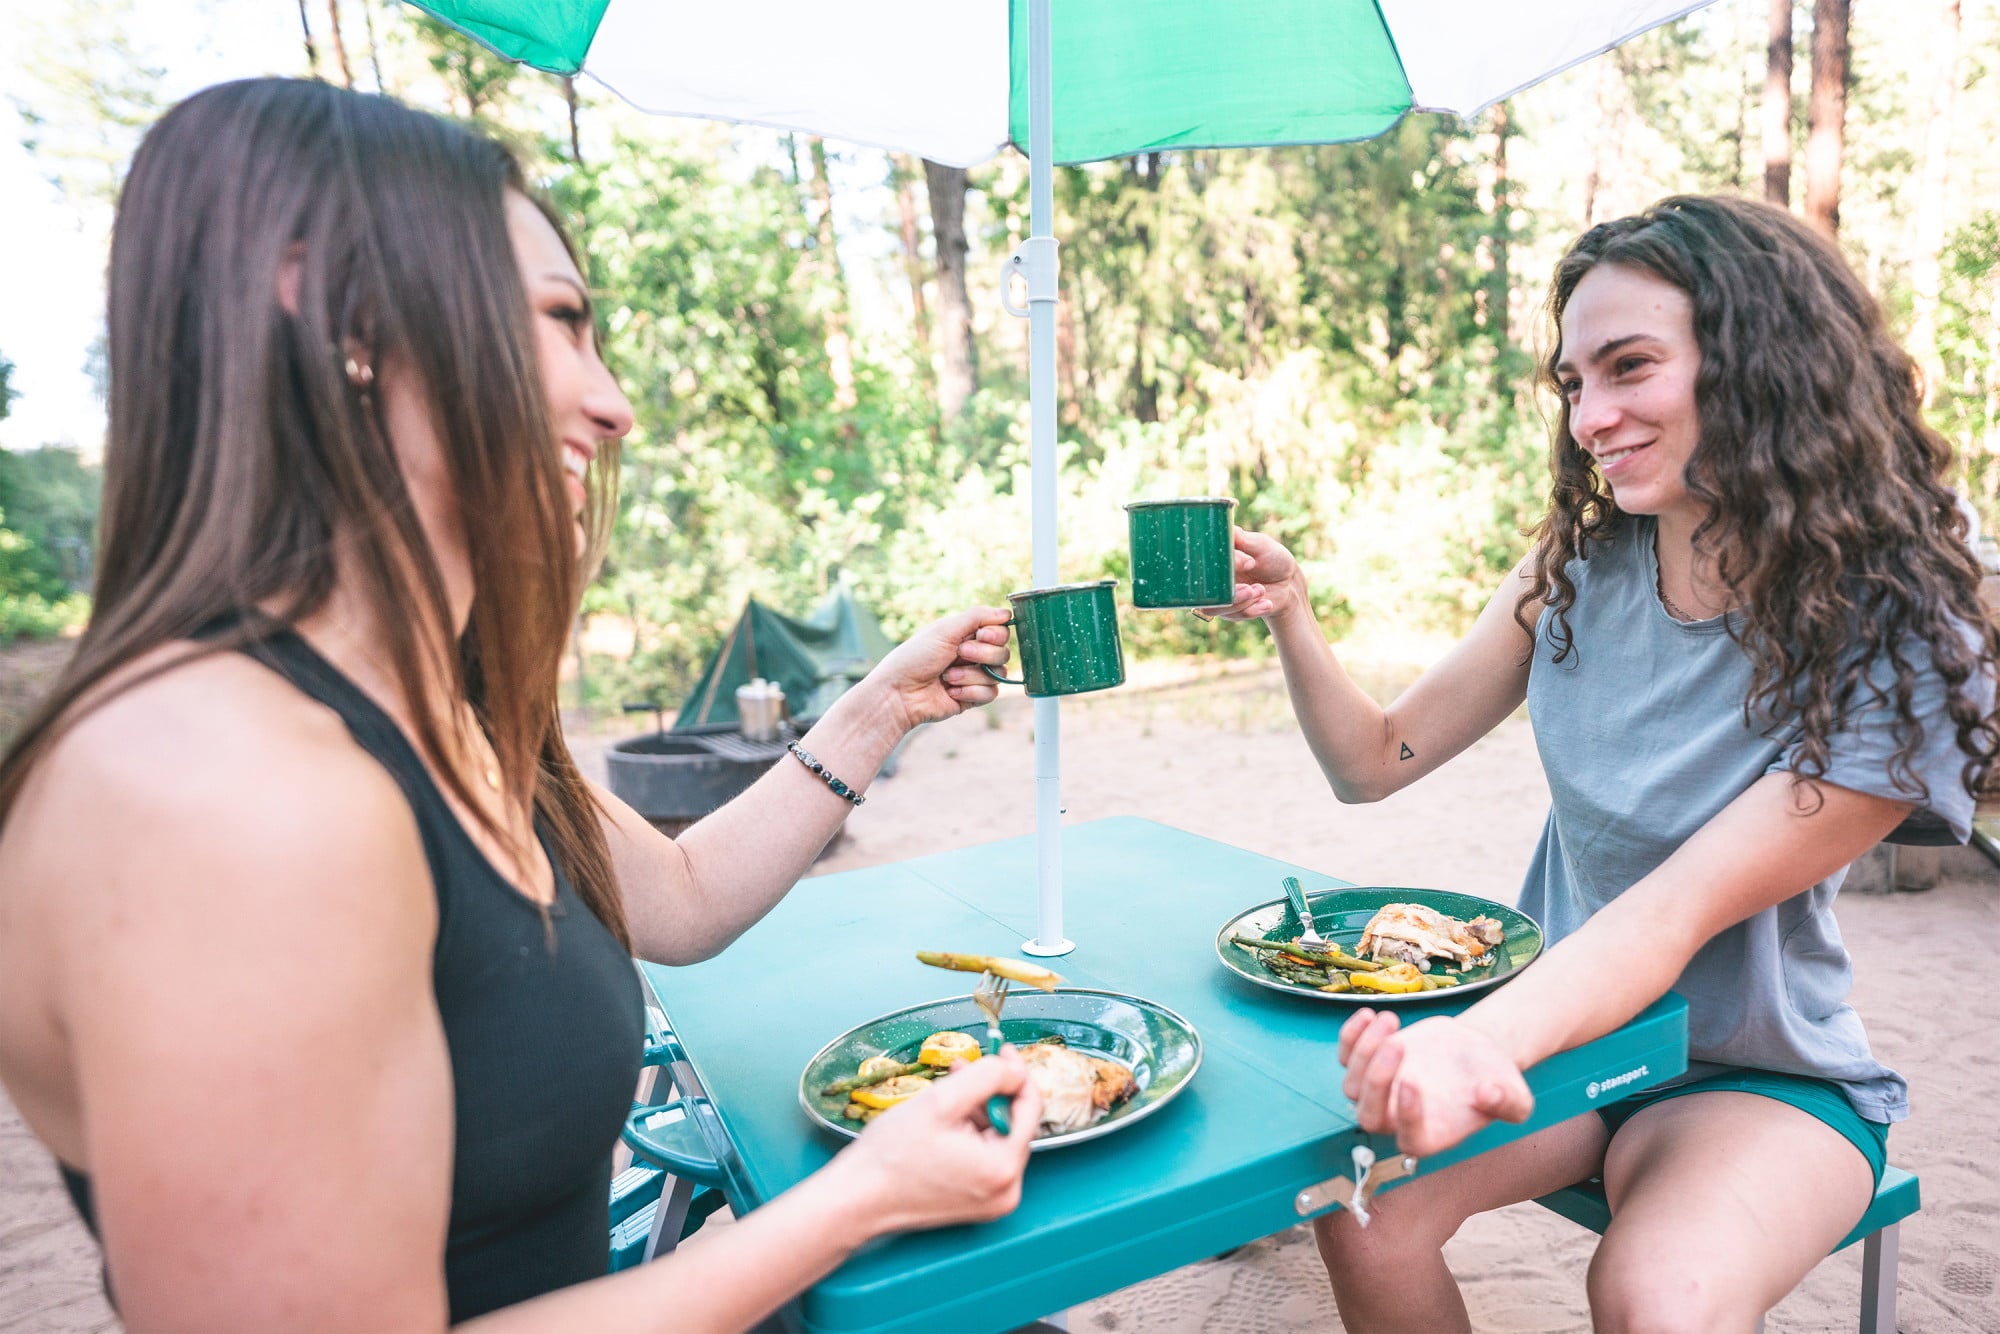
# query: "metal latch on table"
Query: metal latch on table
1355,1191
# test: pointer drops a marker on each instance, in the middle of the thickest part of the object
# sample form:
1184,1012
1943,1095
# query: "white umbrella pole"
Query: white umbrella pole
1037,261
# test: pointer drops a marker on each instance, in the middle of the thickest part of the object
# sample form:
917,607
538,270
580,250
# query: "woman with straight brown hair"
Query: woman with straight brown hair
1750,644
314,944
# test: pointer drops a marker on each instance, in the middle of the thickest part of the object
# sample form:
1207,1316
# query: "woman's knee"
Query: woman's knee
1400,1224
1653,1294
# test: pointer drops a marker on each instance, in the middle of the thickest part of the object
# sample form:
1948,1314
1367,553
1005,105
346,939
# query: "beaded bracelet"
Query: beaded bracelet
840,789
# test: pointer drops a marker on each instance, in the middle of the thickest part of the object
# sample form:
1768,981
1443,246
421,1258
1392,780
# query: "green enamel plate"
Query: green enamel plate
1160,1048
1339,916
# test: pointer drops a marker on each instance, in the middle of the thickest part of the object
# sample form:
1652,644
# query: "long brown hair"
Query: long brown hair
1829,520
240,454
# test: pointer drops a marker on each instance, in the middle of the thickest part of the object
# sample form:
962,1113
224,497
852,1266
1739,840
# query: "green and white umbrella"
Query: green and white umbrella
956,81
948,79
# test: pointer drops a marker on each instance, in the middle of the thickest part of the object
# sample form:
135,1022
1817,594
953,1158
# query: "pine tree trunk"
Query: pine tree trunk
1739,133
1925,262
312,49
1826,120
374,47
575,137
1778,106
1499,286
901,174
839,346
958,359
1144,383
1604,140
339,43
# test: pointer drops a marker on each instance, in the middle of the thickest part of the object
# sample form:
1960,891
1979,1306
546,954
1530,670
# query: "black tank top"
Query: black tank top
544,1025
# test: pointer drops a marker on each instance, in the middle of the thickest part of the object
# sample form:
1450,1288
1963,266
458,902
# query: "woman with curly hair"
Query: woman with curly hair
1748,639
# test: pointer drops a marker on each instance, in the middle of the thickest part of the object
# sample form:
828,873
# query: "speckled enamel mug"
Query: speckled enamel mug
1183,552
1067,636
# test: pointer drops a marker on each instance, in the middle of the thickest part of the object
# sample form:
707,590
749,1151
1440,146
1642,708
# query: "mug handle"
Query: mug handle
1004,680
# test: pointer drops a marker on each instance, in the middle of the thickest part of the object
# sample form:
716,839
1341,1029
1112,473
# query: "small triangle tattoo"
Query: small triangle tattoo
1407,754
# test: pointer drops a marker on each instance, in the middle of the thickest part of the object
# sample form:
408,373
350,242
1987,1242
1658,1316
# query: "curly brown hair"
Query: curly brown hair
1828,518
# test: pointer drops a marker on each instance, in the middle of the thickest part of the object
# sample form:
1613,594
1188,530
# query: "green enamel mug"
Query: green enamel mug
1183,552
1068,639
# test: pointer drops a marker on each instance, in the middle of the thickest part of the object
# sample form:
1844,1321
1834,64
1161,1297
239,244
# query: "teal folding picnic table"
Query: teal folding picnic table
1234,1157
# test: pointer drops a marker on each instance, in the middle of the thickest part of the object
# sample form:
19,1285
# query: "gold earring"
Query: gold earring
359,373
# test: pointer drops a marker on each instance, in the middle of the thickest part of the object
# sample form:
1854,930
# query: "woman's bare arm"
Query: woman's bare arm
1774,841
1440,1080
1368,751
686,898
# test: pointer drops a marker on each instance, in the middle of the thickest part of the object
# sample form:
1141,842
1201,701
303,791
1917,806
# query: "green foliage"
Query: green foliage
31,616
50,500
1307,330
740,477
1336,336
1966,404
1302,329
48,513
478,79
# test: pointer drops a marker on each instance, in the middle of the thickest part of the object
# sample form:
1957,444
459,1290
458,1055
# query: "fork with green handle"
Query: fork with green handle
996,974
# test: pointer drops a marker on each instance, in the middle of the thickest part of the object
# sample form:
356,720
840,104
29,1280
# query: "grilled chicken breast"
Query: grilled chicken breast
1077,1090
1412,933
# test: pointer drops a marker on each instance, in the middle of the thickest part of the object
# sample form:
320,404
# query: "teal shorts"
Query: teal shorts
1818,1098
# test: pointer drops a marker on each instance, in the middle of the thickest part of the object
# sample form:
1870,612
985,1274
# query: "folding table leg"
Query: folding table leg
1879,1255
668,1217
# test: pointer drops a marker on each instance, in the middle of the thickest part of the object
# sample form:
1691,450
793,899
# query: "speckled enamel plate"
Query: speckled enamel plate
1339,916
1160,1048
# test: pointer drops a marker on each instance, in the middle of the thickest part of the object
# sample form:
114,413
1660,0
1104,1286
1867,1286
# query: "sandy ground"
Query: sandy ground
1218,755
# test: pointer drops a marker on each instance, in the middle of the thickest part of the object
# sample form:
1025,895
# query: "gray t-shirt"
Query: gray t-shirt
1642,735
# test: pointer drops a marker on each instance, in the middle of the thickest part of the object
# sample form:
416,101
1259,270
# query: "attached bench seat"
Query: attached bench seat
674,1182
1895,1199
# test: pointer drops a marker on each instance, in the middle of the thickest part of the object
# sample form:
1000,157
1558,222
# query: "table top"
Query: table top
1218,1166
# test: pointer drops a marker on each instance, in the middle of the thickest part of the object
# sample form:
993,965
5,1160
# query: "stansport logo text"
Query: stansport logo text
1596,1087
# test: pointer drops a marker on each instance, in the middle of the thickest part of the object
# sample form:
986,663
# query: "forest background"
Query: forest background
1343,338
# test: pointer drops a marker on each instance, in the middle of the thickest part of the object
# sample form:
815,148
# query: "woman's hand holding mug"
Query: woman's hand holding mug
935,673
1269,582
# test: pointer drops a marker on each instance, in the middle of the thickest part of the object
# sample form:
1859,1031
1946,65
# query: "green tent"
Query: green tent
813,660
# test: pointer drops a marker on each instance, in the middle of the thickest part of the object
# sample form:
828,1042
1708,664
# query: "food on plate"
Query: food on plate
876,1070
1397,979
1078,1091
944,1048
880,1097
1014,970
1414,934
1337,971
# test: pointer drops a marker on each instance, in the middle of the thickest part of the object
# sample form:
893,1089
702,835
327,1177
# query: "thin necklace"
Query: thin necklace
1668,603
1660,586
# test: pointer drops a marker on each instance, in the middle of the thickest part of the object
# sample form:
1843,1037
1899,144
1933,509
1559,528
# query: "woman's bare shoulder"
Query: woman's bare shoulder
195,837
185,747
203,716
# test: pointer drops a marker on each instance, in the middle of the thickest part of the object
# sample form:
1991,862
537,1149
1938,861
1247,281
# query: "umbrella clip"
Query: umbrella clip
1354,1192
1035,263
